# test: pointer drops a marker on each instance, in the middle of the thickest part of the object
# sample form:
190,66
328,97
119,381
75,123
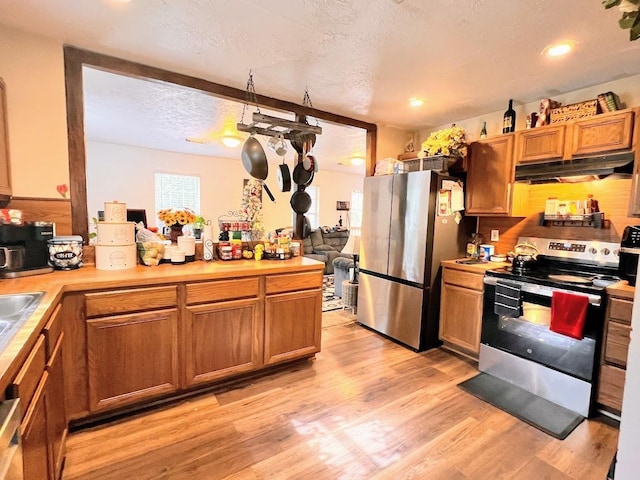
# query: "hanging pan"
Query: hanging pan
300,202
254,160
301,176
284,177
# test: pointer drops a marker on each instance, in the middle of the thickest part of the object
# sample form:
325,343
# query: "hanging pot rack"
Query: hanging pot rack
271,126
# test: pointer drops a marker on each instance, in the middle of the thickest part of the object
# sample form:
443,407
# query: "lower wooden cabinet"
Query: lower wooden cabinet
57,426
461,310
132,357
613,364
222,339
36,454
292,325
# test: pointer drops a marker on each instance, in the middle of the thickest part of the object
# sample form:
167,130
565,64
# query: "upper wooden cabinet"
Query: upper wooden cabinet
490,177
608,132
542,143
5,172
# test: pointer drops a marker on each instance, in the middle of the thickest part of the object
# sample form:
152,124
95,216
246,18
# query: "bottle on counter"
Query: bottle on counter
473,246
592,205
483,132
509,119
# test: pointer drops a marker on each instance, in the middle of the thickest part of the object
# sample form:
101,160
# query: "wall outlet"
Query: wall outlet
495,235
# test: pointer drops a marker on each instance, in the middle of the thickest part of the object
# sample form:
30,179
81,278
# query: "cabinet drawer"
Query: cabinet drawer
617,346
611,386
222,290
25,383
121,301
463,279
293,281
52,331
602,134
620,310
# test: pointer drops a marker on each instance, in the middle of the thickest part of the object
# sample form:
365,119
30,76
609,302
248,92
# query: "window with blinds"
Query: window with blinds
177,191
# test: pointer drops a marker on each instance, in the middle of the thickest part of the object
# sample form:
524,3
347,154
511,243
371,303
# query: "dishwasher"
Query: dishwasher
10,443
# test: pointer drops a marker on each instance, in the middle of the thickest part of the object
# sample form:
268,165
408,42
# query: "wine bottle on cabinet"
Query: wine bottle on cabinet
509,120
483,132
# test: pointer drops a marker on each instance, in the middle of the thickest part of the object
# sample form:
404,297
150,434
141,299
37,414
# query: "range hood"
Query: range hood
577,169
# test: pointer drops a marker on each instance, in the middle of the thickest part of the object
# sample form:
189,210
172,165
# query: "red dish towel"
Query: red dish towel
568,314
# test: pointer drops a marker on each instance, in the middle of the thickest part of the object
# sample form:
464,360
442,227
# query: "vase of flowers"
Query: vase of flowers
176,219
443,148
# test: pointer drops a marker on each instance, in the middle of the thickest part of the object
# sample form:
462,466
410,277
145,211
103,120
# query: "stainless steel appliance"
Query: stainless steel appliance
404,237
629,252
11,463
522,349
23,249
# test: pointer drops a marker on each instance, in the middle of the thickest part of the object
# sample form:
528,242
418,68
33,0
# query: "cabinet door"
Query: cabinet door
544,143
293,324
490,175
461,317
602,133
132,357
222,339
35,436
611,386
5,171
56,418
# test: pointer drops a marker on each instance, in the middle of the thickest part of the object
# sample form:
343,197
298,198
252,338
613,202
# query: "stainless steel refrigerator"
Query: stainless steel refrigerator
403,240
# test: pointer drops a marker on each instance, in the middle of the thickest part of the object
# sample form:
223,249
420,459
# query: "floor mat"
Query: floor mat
329,300
552,419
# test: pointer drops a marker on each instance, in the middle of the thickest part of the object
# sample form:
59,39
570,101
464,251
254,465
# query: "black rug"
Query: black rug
552,419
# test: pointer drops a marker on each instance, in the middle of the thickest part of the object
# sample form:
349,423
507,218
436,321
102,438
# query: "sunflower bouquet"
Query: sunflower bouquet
449,141
177,216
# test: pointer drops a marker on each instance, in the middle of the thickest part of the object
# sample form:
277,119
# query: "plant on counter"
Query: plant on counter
630,15
177,216
448,141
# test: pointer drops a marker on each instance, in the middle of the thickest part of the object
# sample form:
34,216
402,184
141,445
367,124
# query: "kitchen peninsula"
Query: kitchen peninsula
148,333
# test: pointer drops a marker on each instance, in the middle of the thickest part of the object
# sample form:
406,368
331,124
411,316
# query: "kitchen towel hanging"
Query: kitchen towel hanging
508,301
568,314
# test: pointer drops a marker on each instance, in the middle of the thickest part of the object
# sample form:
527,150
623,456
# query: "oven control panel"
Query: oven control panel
568,247
591,251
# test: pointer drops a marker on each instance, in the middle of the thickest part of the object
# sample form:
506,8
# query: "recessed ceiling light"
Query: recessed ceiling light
231,141
357,161
559,49
416,102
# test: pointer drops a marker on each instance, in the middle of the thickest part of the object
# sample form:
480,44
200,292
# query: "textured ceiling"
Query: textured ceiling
359,58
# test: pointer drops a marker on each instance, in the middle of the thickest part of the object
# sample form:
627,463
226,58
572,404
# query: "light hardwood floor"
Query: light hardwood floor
364,408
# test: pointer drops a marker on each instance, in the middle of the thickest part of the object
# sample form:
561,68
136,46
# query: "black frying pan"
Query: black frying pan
284,177
254,160
300,202
301,176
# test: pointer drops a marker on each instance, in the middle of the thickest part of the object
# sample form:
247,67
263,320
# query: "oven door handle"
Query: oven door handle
632,250
544,290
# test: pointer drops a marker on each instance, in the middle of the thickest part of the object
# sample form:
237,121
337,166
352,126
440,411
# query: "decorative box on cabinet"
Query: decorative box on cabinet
614,352
461,310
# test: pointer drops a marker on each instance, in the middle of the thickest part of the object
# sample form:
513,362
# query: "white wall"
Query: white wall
628,89
33,71
126,174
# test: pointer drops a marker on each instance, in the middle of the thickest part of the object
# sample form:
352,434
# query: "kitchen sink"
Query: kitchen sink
14,311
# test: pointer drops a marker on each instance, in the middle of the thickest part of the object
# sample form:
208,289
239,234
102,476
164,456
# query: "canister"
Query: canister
188,245
115,257
486,251
115,212
65,253
115,233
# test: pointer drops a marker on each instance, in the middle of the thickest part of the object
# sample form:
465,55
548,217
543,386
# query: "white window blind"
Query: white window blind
355,220
177,191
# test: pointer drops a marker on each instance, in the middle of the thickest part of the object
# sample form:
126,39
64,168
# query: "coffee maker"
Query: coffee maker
24,250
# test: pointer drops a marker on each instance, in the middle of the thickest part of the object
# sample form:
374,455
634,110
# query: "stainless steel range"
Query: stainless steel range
519,342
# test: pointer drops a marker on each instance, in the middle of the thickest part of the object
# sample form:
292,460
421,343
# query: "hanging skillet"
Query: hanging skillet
254,160
284,177
301,176
300,202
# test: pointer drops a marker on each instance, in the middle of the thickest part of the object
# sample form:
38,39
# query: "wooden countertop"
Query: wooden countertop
473,267
622,289
55,284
